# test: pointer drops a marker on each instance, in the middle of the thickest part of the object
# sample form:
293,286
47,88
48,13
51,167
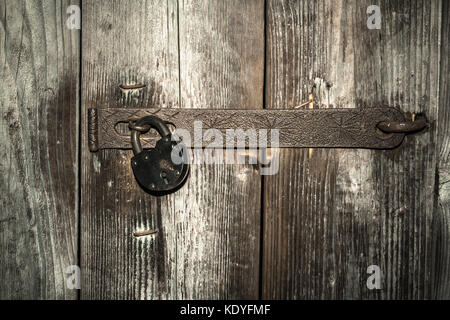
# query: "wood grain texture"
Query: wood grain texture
128,43
330,214
442,218
39,73
188,54
221,66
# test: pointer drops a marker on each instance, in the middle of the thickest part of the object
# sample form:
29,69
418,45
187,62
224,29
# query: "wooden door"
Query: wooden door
309,232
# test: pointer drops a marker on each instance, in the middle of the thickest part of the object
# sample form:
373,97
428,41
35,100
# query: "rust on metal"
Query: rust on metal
298,128
309,103
126,87
132,125
403,126
146,233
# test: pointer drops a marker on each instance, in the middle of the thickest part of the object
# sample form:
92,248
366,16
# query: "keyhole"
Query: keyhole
164,177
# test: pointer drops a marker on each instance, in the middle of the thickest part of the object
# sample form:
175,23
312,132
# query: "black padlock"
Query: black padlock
163,169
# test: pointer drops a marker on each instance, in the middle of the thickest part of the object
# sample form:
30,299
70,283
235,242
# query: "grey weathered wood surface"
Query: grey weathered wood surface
188,54
39,73
330,214
442,219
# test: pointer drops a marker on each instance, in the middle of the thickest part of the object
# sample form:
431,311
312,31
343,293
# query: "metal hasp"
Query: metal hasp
368,128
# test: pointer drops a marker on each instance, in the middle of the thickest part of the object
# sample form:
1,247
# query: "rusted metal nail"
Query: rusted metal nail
132,86
309,103
146,233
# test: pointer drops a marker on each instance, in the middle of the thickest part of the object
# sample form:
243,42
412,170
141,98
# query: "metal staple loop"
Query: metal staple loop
142,129
403,127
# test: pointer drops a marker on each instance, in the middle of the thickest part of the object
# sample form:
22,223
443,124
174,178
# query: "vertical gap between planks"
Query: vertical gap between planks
80,142
262,216
179,106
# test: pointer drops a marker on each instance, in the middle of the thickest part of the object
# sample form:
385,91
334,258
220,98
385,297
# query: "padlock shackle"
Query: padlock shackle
152,121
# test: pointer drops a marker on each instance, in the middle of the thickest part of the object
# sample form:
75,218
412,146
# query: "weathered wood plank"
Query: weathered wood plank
330,214
208,241
221,65
39,73
128,42
441,221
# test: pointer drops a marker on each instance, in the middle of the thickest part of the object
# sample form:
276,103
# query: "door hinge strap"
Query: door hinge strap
369,128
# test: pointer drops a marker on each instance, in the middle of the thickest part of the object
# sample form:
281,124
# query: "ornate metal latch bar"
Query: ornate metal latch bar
368,128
